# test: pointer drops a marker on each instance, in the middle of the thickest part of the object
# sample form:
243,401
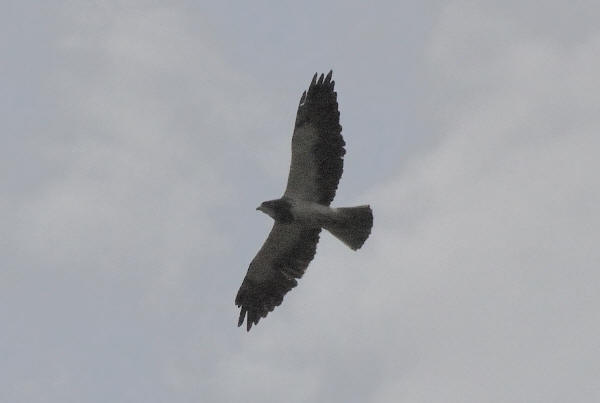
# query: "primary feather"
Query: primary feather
317,145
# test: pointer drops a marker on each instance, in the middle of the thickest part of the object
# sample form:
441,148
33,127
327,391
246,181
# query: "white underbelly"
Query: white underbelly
311,213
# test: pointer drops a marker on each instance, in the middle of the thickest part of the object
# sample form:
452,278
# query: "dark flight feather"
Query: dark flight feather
282,260
317,144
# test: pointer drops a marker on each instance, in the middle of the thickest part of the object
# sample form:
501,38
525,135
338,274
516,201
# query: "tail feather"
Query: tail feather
352,225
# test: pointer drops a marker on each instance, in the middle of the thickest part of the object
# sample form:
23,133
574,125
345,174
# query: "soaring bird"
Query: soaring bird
304,209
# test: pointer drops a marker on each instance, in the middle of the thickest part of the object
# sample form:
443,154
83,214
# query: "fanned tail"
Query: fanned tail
352,225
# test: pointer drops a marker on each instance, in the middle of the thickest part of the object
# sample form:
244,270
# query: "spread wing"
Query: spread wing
281,260
317,145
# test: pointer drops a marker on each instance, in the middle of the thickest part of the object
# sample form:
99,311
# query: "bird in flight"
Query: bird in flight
315,170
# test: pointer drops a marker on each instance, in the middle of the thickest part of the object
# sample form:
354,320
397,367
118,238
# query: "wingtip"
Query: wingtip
321,77
303,98
328,77
242,316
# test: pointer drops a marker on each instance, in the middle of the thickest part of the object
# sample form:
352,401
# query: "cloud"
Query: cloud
127,238
477,282
150,129
492,232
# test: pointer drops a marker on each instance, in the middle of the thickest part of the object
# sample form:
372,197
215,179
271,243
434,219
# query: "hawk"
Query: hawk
303,210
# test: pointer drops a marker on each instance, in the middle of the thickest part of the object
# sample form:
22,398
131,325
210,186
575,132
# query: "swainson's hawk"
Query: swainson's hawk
316,168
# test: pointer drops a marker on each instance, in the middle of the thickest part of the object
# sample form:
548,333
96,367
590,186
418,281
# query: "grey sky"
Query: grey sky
138,138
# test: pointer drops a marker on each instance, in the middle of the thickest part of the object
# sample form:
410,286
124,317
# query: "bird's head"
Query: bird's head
278,209
269,208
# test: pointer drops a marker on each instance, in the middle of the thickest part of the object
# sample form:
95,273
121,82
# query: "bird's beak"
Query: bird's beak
259,208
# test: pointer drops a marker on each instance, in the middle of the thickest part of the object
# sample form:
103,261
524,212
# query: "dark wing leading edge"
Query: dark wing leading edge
281,260
317,145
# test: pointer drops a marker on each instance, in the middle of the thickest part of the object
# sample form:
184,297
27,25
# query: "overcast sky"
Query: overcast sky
137,139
